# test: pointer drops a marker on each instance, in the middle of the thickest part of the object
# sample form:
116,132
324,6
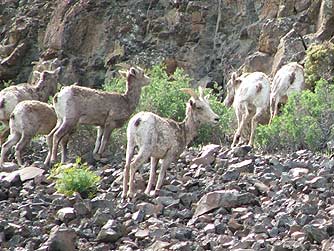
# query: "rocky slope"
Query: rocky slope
213,200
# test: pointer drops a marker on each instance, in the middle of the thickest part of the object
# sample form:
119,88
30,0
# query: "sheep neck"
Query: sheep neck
132,94
190,127
44,91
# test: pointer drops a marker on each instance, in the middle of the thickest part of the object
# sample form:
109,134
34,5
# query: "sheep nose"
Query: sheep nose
216,120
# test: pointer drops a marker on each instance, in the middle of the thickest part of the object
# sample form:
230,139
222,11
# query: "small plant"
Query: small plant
319,63
75,178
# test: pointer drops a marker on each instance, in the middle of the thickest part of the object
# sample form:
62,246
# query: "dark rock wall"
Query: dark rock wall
209,39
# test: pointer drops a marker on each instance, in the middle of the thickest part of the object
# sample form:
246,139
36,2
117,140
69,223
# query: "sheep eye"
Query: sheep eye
199,108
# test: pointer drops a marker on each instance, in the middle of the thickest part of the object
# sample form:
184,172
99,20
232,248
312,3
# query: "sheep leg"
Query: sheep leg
164,165
25,139
244,119
273,108
64,149
5,133
130,150
154,162
65,128
135,164
253,126
106,137
12,140
98,140
49,141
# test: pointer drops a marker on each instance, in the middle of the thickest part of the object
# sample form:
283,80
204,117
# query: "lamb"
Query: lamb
9,97
288,79
81,105
162,138
249,95
29,118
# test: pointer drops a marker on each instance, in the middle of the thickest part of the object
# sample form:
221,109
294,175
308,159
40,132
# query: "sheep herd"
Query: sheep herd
25,113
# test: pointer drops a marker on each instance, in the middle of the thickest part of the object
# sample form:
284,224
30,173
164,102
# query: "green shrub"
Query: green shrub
75,178
305,123
319,63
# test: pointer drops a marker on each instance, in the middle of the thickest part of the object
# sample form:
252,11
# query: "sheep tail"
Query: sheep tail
292,78
2,103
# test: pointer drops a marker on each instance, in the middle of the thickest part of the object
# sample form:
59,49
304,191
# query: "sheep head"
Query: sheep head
135,74
199,107
231,87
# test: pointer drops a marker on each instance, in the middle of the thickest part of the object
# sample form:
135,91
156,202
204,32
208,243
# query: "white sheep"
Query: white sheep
162,138
81,105
288,79
249,95
29,118
9,97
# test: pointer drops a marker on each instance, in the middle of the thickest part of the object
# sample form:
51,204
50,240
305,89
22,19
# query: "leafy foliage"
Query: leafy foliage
319,63
306,121
75,178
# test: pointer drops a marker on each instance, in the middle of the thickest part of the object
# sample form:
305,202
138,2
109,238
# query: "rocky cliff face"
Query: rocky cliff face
209,39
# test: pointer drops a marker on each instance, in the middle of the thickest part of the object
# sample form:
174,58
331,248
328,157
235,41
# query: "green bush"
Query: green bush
163,97
319,63
75,178
305,123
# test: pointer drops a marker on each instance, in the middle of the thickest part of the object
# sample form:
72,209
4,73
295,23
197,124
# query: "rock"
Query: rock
227,199
291,48
243,166
66,214
258,61
315,233
61,239
272,31
159,245
111,232
181,234
207,155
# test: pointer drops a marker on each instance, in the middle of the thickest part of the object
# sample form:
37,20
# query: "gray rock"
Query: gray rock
66,214
111,232
61,239
316,233
228,199
181,233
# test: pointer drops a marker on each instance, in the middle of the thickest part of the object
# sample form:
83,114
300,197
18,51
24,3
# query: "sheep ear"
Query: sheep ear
190,92
123,73
132,71
36,74
123,65
191,103
234,76
57,70
201,91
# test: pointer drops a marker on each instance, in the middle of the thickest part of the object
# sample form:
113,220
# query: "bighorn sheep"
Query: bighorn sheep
162,138
81,105
249,95
288,79
9,97
29,118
